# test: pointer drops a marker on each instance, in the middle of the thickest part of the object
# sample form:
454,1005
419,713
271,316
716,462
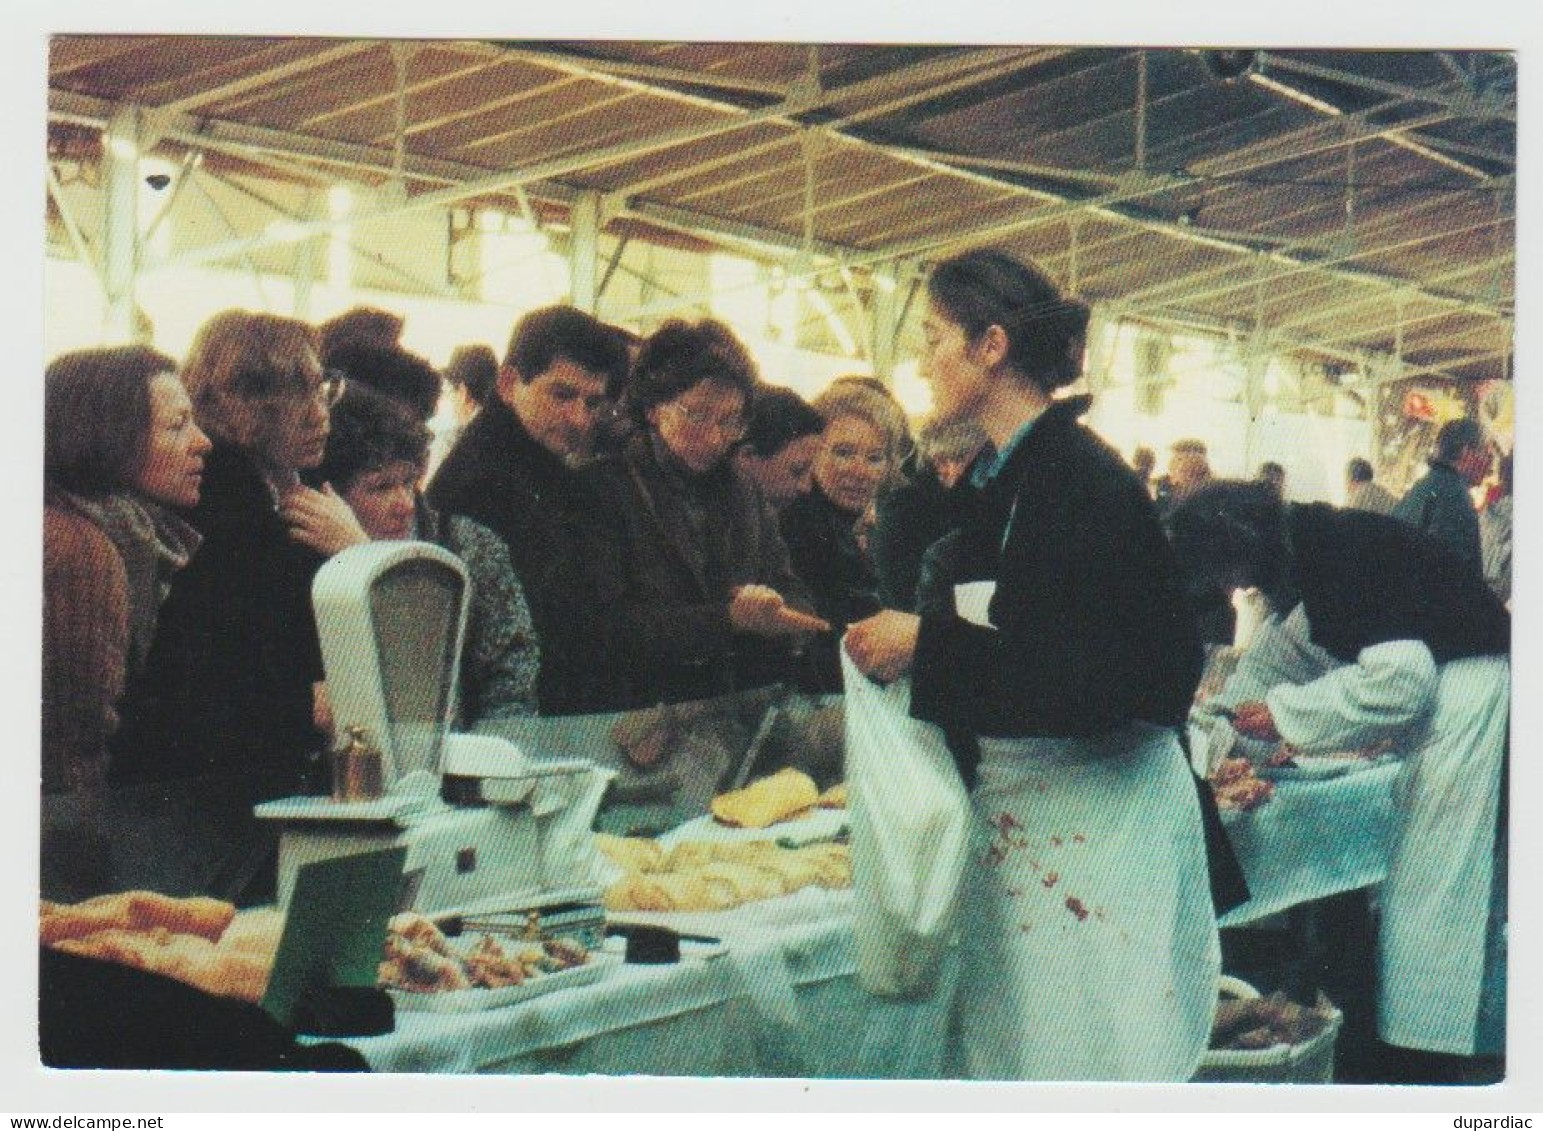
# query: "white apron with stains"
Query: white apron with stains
1088,937
1436,900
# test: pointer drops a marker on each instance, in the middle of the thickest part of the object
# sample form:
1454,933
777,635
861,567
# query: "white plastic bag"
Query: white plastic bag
910,820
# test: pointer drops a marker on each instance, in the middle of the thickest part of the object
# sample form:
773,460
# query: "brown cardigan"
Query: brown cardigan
85,645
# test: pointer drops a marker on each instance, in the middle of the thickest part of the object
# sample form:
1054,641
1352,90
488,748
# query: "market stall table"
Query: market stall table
780,1001
783,1000
1314,839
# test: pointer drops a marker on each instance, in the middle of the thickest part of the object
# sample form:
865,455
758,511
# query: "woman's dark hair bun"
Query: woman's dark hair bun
1046,330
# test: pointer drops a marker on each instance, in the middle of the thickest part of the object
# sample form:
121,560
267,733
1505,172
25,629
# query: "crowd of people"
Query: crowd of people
646,520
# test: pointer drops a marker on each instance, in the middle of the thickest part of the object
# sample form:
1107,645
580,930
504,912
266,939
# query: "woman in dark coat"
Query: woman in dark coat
704,600
227,695
1091,948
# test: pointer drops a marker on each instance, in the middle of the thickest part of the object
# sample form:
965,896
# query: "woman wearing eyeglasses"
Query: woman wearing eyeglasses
825,530
228,688
705,601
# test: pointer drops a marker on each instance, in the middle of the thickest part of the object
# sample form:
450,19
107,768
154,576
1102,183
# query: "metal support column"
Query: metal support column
584,252
1254,396
308,255
120,224
885,323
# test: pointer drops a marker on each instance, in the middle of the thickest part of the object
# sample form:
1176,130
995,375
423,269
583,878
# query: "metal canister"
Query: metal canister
356,769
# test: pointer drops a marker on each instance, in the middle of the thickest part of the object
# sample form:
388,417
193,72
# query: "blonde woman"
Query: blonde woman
864,440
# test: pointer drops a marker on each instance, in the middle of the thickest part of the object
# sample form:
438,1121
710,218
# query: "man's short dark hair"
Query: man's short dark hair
680,355
779,417
1359,470
566,333
475,369
404,376
361,326
1455,435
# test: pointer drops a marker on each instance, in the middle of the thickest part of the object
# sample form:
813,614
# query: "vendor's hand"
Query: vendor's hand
321,520
1253,720
883,646
761,610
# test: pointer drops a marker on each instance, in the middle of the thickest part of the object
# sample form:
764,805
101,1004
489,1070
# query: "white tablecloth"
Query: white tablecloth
1314,839
783,1000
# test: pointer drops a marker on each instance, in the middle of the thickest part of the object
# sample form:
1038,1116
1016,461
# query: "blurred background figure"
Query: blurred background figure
1362,492
360,326
1144,460
1441,503
1495,535
1189,469
780,446
404,377
913,516
1273,476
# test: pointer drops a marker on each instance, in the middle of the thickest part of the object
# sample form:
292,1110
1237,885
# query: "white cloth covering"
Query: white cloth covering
1451,728
1089,947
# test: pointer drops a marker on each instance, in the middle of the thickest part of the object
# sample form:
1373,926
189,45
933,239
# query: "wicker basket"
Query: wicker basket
1311,1062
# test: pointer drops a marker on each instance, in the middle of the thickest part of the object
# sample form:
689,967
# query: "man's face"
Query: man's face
559,407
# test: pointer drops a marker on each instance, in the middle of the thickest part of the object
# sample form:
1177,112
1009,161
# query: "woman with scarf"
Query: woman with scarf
121,450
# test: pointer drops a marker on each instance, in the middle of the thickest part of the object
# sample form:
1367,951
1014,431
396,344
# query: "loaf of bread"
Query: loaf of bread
135,911
765,802
835,797
689,855
198,941
662,891
717,875
734,884
631,853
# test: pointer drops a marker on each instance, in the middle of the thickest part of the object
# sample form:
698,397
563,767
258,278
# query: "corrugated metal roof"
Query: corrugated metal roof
1330,193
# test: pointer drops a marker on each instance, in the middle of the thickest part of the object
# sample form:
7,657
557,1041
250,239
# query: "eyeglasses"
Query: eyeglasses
731,428
268,387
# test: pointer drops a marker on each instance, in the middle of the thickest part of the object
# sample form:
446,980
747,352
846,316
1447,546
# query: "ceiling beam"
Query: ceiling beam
419,87
1444,368
1339,309
259,142
1460,101
915,83
164,97
653,72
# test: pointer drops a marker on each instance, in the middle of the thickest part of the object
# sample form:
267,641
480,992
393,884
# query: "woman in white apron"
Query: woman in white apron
1396,639
1088,937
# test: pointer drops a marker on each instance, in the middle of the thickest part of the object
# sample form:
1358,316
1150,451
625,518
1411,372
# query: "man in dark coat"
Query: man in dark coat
1440,504
514,471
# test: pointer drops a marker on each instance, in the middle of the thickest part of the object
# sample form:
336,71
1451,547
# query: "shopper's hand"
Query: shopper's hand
761,610
1253,720
883,646
321,520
